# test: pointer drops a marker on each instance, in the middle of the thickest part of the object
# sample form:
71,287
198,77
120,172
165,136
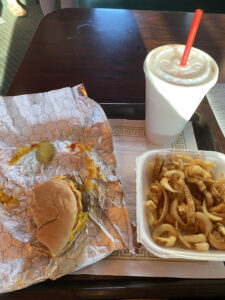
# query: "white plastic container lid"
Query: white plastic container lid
142,188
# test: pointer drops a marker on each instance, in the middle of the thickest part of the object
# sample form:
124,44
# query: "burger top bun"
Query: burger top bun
54,210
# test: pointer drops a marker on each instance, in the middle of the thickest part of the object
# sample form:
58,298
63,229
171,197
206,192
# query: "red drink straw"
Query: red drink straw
191,36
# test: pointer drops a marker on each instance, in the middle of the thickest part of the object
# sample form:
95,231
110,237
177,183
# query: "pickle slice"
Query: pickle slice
45,152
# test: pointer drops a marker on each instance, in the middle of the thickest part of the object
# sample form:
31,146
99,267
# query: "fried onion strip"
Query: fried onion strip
151,212
168,241
204,222
174,212
158,166
164,210
190,206
202,247
218,243
210,216
195,238
163,228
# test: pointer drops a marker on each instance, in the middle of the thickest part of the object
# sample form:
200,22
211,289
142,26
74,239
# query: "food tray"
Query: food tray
143,232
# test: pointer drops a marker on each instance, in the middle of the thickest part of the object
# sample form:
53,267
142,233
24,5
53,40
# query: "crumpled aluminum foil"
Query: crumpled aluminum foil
61,117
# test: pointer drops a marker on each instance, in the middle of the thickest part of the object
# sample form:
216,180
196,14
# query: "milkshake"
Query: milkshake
173,92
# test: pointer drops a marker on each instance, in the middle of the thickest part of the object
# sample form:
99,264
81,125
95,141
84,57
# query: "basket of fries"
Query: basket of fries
181,204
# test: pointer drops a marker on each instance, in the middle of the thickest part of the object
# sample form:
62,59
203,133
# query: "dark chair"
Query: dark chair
208,6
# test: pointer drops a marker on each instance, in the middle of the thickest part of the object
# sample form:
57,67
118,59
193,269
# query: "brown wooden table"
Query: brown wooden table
105,50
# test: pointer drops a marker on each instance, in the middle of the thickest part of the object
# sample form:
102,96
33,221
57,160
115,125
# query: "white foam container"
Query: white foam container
143,231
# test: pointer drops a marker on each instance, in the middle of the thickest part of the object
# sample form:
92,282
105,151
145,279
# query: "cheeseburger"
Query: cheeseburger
57,211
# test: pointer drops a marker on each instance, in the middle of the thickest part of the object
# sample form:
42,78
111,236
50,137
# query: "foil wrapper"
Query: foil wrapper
62,117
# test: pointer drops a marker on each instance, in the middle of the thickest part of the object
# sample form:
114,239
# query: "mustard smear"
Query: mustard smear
7,200
19,282
21,150
93,170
